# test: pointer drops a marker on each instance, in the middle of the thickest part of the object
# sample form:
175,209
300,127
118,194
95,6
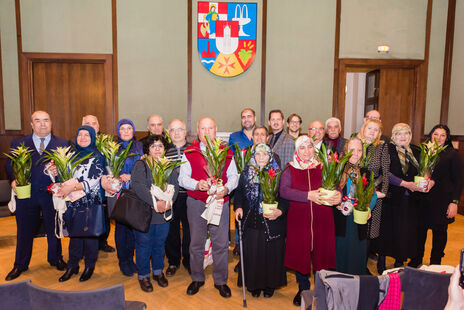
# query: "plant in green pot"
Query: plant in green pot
269,183
21,162
364,191
332,169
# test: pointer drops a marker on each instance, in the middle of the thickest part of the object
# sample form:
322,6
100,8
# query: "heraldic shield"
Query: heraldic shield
227,36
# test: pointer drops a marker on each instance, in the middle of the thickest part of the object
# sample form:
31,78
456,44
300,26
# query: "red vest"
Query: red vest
198,162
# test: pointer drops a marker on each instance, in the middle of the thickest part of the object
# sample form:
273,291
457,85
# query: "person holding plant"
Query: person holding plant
310,244
398,229
440,205
87,174
350,237
376,160
154,169
28,210
263,232
123,235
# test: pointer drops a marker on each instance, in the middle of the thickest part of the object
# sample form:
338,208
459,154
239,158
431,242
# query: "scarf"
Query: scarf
298,162
125,121
352,171
91,148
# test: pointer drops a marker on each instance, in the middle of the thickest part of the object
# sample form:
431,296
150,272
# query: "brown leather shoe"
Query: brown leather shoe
161,279
171,271
145,285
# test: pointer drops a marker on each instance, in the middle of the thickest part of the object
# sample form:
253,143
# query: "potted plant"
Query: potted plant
115,161
21,162
332,169
364,190
429,158
269,183
242,157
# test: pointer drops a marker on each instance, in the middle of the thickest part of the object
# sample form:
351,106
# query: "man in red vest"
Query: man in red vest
193,177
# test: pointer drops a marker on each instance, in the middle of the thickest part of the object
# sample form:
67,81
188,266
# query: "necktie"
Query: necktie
42,145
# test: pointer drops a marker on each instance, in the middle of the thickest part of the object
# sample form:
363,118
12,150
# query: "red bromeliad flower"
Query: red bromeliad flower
336,157
329,158
364,179
271,172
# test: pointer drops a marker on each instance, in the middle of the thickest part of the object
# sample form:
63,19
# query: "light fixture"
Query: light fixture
383,49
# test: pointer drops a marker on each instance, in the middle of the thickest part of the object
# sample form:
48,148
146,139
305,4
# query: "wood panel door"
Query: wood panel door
69,86
396,97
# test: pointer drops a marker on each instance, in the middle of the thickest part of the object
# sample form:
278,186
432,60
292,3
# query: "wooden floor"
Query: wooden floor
173,297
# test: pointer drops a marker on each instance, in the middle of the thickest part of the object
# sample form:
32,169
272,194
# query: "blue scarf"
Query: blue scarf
91,148
124,143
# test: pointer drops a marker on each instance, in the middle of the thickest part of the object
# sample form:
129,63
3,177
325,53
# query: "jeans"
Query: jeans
149,246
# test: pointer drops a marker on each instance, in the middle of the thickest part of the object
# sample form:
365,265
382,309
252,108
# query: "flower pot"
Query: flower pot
328,193
421,182
23,192
360,217
267,207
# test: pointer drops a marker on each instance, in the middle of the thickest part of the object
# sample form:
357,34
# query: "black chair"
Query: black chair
5,196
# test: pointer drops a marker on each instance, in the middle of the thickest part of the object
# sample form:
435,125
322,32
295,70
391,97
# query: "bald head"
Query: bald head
206,126
92,121
316,131
41,123
177,132
372,114
155,124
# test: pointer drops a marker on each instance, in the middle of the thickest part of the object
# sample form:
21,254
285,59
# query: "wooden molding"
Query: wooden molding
336,60
19,43
263,65
114,23
448,62
189,65
2,106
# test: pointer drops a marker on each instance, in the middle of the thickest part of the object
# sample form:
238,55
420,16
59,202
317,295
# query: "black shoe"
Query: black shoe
415,262
236,250
69,272
237,267
268,293
255,293
193,288
60,264
297,299
14,273
161,279
224,290
381,265
126,269
368,272
107,248
86,274
145,285
171,270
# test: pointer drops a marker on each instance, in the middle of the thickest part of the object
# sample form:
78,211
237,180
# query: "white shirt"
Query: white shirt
185,174
318,146
36,140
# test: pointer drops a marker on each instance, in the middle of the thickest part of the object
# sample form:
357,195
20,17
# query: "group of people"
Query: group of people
305,232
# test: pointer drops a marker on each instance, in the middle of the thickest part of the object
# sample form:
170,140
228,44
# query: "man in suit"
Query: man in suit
28,210
194,179
333,139
281,143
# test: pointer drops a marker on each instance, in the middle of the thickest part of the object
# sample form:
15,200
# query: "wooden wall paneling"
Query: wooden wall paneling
336,77
460,140
263,66
189,66
114,25
448,62
2,107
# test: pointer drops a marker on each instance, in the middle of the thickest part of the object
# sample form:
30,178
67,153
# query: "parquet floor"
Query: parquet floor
173,297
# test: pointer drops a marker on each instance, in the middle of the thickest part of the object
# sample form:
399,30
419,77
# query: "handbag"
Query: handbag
85,220
130,210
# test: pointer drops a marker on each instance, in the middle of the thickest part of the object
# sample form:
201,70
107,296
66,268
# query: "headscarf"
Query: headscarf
350,170
91,148
298,162
121,122
252,187
404,152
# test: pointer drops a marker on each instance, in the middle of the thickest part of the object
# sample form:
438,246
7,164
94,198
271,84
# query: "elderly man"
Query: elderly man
243,136
92,121
173,247
316,131
281,143
194,179
28,210
155,125
374,114
333,139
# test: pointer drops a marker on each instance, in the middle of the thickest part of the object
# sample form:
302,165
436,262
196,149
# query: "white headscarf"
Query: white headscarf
298,162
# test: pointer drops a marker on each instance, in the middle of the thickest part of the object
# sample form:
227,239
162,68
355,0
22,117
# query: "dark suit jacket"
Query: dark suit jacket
284,148
340,144
39,180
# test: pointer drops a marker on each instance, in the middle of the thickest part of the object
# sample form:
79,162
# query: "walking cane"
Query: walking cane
242,262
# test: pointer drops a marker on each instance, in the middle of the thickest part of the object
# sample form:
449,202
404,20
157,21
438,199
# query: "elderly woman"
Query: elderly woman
310,241
350,238
123,235
149,247
398,229
370,134
439,206
88,174
263,234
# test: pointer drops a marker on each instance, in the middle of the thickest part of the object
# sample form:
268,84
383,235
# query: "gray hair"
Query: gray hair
333,119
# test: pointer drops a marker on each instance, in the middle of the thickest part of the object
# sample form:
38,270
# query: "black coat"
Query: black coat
448,186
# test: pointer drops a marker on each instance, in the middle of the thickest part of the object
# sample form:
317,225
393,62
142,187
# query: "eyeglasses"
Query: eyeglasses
176,130
157,146
316,128
295,122
373,117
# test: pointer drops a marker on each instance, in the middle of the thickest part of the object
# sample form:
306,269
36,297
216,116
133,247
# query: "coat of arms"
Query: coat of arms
227,36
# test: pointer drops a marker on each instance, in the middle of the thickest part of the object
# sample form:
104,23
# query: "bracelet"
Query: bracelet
75,187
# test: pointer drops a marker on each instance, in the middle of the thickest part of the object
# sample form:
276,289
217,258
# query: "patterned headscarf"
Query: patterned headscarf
350,170
404,152
253,193
298,162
